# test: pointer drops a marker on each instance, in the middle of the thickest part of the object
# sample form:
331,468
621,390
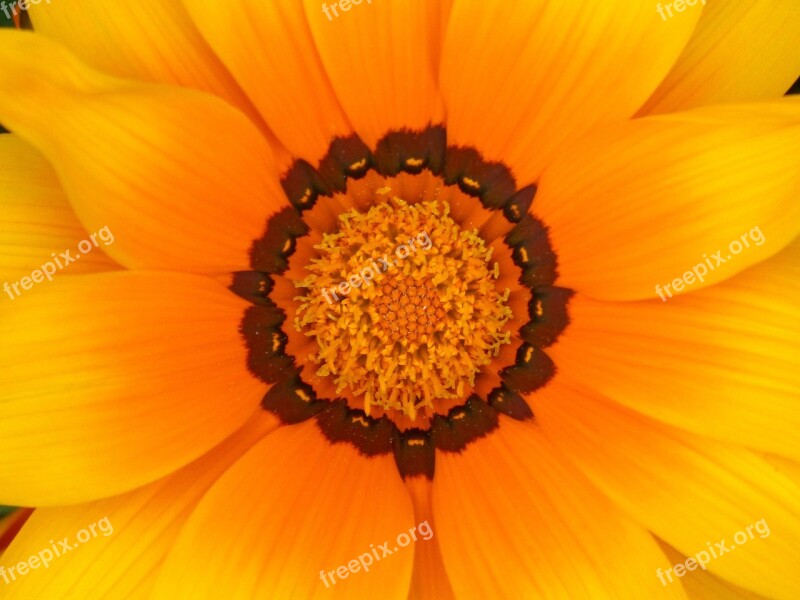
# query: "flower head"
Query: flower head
404,299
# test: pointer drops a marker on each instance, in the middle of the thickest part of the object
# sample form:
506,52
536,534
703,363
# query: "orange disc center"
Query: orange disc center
409,308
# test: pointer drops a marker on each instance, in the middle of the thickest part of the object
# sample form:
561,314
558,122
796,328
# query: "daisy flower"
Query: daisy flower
421,299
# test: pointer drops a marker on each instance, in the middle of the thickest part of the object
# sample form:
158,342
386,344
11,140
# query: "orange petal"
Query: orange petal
268,48
381,58
141,158
116,379
516,520
280,521
522,79
640,204
429,581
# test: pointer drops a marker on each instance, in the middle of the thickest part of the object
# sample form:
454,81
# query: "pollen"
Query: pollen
403,306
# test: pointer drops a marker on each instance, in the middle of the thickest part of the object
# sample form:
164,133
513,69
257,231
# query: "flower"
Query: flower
549,381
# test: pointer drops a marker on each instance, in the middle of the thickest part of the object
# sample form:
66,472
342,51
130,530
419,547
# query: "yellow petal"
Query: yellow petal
522,79
37,219
702,585
157,43
640,204
116,379
183,180
690,491
721,362
741,51
132,533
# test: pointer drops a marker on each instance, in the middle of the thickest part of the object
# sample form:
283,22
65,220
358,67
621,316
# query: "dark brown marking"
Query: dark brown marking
414,453
266,343
491,182
533,369
518,205
463,424
253,286
532,252
510,403
549,316
270,253
371,437
411,151
347,157
292,400
303,185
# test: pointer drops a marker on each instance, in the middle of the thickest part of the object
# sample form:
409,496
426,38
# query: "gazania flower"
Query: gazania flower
401,299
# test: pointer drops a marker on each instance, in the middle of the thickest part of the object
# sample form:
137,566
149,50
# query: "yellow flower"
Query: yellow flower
289,284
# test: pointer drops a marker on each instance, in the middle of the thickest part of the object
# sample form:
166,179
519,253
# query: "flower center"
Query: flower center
421,324
409,309
404,307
